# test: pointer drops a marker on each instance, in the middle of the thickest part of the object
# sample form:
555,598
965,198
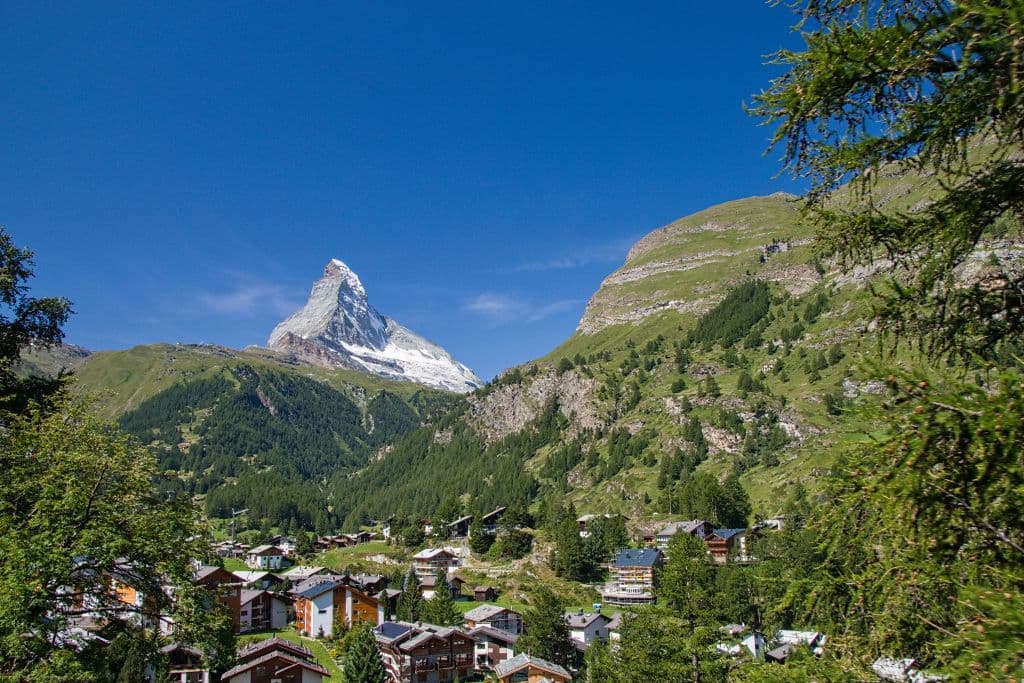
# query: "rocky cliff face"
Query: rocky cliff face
508,408
339,328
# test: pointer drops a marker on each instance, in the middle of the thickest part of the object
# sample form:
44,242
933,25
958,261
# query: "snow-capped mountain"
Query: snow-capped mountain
339,328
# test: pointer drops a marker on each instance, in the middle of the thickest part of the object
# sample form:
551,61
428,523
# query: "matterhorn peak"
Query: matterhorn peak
337,327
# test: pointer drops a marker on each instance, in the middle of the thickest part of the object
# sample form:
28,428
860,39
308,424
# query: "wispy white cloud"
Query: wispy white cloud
249,298
612,252
503,308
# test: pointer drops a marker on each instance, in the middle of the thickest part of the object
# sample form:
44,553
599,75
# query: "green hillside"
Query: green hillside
253,429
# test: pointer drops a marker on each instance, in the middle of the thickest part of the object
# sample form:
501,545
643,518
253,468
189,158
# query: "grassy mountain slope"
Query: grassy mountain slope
123,379
254,429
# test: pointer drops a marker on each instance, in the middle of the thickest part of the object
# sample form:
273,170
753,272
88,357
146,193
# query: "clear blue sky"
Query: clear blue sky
184,171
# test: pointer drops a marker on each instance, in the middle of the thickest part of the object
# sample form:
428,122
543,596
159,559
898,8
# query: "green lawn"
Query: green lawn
290,634
233,564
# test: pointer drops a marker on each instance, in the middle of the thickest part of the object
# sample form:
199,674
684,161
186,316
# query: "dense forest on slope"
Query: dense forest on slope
256,436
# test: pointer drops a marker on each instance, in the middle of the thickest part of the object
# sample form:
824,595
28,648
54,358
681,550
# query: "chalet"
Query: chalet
263,647
694,527
185,664
586,627
424,653
527,668
495,617
460,527
322,605
287,544
586,520
279,664
491,519
265,557
315,608
493,646
428,586
427,562
225,586
634,577
261,610
723,542
485,594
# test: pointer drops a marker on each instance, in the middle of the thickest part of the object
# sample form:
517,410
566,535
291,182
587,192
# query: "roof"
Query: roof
431,553
410,636
631,557
583,619
484,612
266,550
318,589
250,595
461,520
208,570
250,576
687,526
390,630
494,634
496,511
481,589
301,572
181,647
242,668
726,534
274,643
615,622
521,661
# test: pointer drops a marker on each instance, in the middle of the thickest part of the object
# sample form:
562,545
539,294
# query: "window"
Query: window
323,611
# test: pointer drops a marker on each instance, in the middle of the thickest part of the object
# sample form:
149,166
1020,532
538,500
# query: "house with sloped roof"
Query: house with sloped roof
527,668
493,646
495,616
261,610
185,664
725,542
586,627
427,562
266,557
634,574
694,527
424,653
276,667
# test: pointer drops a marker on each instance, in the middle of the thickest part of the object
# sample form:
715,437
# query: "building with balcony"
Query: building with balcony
424,653
634,577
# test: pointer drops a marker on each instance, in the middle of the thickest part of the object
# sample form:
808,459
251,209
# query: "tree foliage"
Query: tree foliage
547,633
920,553
362,661
932,87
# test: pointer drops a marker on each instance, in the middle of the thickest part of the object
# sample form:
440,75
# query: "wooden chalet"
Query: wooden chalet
529,669
485,594
424,653
725,542
185,664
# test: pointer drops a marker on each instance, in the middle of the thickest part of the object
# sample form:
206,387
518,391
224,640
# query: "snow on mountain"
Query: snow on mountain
339,328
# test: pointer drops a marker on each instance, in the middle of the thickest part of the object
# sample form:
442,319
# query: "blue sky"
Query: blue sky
184,171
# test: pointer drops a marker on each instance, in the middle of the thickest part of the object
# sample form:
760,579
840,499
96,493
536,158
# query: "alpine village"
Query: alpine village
783,443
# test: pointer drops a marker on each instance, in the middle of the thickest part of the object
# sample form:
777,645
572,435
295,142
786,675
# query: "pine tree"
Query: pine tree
479,540
363,663
547,632
440,609
410,601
